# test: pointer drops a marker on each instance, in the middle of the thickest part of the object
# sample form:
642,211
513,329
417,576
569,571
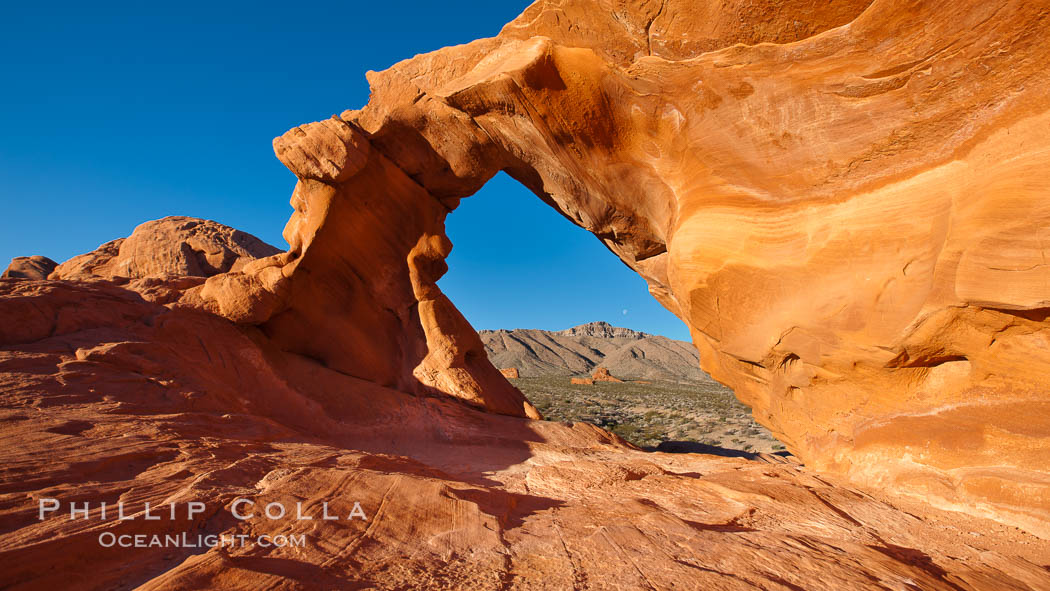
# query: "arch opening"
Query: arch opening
553,306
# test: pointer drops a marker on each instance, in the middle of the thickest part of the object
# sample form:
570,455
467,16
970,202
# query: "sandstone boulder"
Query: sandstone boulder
511,373
602,374
32,267
175,245
582,381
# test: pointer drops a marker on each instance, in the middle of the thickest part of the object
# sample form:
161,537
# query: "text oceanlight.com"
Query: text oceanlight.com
241,509
184,540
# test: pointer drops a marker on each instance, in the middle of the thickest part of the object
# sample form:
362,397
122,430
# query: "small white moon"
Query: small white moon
625,311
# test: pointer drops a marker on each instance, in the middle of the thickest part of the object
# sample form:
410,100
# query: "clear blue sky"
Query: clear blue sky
115,113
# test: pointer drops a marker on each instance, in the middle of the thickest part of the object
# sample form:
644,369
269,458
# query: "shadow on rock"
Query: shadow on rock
695,447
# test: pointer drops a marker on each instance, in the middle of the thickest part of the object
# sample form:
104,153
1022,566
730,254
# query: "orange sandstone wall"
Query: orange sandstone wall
846,203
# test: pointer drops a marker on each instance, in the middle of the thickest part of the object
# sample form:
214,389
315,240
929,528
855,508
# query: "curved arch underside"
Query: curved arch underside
845,202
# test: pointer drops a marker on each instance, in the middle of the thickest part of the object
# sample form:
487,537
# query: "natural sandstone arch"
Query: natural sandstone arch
845,202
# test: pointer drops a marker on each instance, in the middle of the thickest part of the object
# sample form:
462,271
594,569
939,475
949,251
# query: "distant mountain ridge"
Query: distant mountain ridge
627,353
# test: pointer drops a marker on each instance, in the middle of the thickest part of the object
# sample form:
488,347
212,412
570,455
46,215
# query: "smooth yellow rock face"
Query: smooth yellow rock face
846,203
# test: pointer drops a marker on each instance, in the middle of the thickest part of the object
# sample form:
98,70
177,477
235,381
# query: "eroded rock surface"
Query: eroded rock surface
109,398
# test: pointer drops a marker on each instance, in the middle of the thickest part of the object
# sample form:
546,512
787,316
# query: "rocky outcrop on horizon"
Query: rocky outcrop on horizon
845,202
602,330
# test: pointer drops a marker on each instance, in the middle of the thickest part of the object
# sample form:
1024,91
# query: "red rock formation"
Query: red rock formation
843,201
511,373
174,245
33,267
602,374
384,320
582,381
